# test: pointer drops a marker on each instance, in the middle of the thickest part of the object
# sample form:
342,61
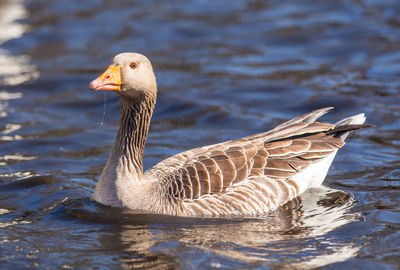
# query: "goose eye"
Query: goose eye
133,65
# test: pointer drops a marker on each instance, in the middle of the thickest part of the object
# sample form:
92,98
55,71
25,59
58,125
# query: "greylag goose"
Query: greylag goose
249,176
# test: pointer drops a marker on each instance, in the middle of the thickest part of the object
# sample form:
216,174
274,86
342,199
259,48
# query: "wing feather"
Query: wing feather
277,154
227,168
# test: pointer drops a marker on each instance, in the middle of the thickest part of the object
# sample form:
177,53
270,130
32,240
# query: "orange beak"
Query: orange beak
109,80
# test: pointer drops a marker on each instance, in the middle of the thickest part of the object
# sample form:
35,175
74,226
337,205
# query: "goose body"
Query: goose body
249,176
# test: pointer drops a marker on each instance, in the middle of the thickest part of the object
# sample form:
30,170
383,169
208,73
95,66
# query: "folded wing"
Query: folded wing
277,154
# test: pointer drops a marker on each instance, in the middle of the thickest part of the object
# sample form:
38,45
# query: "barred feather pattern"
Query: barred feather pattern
248,176
251,176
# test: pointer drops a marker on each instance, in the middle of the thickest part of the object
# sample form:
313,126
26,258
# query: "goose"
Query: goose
250,176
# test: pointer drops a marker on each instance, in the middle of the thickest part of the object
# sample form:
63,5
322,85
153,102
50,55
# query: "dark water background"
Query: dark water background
225,69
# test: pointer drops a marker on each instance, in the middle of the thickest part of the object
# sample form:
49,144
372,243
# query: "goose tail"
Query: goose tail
344,126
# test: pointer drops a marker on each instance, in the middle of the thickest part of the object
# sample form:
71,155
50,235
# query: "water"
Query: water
225,70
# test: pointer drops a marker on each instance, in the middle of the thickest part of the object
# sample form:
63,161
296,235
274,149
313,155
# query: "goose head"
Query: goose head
130,75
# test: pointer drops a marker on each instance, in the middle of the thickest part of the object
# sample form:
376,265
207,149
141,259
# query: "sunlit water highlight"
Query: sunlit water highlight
225,70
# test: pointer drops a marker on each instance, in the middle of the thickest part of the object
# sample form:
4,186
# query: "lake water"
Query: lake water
225,69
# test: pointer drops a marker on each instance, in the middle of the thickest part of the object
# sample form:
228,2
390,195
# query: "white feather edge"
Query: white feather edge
315,174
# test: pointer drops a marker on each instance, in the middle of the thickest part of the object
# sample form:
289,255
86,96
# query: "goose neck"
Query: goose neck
132,133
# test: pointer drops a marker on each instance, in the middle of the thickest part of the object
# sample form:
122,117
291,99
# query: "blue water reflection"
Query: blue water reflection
225,70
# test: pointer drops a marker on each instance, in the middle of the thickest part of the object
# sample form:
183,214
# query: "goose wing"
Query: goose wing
278,154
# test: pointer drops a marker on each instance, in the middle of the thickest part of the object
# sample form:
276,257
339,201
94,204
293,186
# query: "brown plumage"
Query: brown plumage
248,176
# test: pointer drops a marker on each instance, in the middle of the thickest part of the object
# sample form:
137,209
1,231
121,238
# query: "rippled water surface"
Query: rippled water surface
225,69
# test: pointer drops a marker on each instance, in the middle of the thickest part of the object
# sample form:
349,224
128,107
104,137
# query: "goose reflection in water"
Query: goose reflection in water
300,227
